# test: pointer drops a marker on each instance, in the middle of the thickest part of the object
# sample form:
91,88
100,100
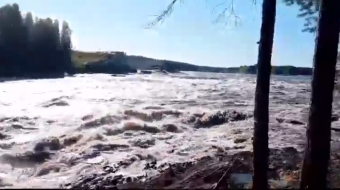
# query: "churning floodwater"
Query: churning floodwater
71,126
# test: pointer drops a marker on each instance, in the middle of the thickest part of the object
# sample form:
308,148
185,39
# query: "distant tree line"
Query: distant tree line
279,70
173,66
33,47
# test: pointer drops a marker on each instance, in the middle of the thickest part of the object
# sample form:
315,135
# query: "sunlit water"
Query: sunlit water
100,95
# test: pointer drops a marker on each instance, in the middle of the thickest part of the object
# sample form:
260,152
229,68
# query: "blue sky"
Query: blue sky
188,35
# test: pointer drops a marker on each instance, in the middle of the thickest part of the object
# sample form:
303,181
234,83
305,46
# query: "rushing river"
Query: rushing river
87,120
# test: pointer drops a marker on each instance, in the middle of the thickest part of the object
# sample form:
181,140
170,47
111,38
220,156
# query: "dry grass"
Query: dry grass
80,57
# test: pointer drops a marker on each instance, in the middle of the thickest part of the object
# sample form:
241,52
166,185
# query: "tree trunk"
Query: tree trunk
260,142
317,151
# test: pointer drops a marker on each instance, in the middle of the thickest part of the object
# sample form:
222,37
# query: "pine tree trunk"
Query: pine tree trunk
260,142
317,151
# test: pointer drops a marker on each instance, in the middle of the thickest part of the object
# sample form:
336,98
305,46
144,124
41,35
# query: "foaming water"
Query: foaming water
89,120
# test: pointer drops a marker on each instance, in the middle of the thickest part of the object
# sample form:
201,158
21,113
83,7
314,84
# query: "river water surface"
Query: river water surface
84,121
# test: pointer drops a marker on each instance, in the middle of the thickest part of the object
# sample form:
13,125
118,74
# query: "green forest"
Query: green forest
33,47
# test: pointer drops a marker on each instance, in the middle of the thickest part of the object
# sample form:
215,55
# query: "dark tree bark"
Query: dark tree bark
260,142
317,151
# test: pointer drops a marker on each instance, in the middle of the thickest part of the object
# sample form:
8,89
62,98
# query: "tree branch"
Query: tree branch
164,14
228,13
